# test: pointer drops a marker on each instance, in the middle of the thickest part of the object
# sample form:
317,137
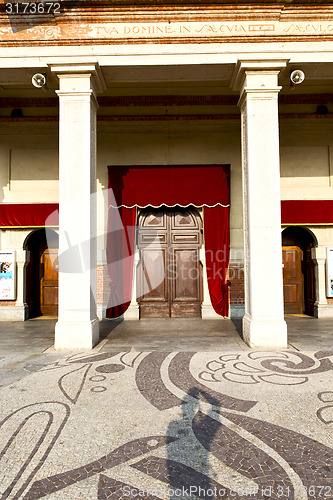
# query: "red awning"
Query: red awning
170,185
302,212
29,214
306,212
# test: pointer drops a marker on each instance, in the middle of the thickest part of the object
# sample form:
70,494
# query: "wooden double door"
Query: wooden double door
169,278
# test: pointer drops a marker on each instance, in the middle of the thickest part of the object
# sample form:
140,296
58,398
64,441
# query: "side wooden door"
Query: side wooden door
169,272
310,283
293,290
49,282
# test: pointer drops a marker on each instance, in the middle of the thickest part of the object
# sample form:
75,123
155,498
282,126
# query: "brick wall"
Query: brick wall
236,278
103,285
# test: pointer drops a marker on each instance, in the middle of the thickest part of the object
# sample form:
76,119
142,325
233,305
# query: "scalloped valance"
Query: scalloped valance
170,185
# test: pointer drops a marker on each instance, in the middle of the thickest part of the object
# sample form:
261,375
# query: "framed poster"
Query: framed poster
7,275
329,272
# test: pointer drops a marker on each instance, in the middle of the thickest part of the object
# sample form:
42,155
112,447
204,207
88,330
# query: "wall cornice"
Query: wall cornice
121,22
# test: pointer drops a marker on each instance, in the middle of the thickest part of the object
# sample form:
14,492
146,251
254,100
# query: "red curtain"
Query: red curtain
29,214
120,254
217,245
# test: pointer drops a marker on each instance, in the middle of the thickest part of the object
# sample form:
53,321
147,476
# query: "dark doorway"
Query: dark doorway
172,263
42,273
299,285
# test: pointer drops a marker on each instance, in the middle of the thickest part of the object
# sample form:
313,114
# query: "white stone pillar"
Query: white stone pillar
207,310
321,308
77,325
263,323
21,259
133,311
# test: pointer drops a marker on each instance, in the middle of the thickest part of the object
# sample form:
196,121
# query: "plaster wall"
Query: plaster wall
29,166
306,152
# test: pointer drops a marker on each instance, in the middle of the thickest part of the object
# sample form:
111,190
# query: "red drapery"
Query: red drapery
217,243
141,186
120,252
29,214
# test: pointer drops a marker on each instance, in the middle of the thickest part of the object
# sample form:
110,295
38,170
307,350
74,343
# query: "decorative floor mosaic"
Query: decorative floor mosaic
159,425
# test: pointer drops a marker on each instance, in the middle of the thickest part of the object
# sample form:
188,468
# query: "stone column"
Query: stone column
321,308
207,310
77,325
263,323
133,312
21,259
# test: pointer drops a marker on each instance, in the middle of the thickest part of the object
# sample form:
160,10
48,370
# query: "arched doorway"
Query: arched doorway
173,262
299,284
42,273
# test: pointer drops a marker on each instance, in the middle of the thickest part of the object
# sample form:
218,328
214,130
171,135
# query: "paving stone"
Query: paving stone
228,422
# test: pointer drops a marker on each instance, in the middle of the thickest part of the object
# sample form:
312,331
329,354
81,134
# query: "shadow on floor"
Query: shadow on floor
107,326
238,326
168,334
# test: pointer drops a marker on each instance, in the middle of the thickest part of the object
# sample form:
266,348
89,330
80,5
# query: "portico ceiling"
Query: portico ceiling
166,80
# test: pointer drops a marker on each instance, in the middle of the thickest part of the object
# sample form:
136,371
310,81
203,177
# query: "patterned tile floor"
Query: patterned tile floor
222,424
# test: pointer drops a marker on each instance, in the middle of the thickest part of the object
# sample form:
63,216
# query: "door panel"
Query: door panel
153,262
176,290
310,283
185,284
292,280
49,283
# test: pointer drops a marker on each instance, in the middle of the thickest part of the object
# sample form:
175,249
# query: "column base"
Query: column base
76,334
323,311
237,311
208,312
133,312
18,312
101,312
265,333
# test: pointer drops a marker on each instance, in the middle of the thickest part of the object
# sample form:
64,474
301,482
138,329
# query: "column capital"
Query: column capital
88,74
254,67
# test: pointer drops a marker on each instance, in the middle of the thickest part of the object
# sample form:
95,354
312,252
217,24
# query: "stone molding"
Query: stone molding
197,27
91,70
251,67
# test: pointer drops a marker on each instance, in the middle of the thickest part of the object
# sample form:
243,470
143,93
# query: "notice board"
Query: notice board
7,275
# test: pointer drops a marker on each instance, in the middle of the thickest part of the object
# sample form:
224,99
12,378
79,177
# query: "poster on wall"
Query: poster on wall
7,275
329,272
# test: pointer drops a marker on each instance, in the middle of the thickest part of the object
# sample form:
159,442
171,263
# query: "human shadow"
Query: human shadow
188,466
